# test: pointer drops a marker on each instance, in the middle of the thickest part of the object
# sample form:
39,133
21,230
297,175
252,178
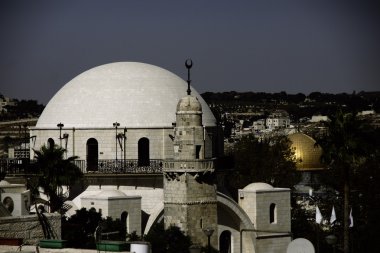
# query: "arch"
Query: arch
272,213
124,218
92,154
143,152
50,143
225,240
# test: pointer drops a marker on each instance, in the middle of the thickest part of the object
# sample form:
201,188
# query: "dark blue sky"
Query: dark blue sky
269,46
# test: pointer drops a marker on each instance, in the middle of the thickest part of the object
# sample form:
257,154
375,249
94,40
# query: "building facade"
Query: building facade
127,118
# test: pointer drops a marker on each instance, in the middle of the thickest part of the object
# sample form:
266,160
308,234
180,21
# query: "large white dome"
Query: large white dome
134,94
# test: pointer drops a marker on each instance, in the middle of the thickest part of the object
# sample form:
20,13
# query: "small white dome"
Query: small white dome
258,186
111,194
4,183
134,94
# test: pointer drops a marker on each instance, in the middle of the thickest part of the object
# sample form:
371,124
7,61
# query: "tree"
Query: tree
171,240
53,172
346,146
269,160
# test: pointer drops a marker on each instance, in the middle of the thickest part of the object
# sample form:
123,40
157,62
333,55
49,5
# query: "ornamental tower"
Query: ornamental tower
189,191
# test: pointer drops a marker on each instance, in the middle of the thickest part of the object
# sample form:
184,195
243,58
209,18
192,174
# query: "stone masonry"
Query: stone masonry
28,227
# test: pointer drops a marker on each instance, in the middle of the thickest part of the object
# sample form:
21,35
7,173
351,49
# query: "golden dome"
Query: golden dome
306,153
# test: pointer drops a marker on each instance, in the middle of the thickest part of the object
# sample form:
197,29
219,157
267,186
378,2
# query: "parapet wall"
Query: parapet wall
29,228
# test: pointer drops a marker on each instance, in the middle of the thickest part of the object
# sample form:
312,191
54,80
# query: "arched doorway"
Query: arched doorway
124,224
92,154
143,152
50,143
225,242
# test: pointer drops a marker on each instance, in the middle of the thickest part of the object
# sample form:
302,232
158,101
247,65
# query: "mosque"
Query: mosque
129,119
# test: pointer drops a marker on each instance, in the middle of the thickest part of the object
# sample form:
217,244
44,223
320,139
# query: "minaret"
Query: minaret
189,190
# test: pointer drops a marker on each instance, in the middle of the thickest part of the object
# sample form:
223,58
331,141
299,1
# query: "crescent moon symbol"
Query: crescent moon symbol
189,63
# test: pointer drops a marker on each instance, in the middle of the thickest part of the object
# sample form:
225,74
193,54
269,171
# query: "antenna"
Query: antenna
188,64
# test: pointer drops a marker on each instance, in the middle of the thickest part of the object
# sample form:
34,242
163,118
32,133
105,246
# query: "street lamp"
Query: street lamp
60,125
208,232
115,125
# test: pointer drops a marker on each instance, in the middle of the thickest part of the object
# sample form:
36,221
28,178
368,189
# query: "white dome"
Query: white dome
111,194
4,183
134,94
258,186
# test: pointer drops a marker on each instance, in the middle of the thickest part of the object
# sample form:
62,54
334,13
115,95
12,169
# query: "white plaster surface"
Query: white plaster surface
134,94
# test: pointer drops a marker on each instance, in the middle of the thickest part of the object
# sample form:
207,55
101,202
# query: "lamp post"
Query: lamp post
60,125
115,125
208,232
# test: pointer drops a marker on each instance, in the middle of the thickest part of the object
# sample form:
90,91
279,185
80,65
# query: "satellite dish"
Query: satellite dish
300,245
9,204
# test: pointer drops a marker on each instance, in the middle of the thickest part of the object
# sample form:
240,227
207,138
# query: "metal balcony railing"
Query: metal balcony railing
106,166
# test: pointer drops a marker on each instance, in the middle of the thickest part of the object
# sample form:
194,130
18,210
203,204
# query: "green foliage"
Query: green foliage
53,172
270,161
171,240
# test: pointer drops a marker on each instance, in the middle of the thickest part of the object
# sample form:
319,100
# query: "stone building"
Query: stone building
134,126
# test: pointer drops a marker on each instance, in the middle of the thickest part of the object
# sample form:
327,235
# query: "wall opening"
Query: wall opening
272,213
198,151
225,242
92,154
124,224
143,152
50,143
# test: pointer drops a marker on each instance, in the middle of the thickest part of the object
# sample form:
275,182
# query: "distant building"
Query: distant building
318,118
278,119
5,101
259,125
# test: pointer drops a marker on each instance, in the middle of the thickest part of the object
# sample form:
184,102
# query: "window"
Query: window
143,152
92,154
272,213
50,143
197,151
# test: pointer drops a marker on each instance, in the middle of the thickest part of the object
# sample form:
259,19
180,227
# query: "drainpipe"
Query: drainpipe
73,141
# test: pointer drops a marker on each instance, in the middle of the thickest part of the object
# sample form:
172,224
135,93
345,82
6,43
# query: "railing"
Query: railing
120,166
106,166
15,166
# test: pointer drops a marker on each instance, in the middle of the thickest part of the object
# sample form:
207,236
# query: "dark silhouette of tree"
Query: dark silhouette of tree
269,160
53,172
348,147
171,240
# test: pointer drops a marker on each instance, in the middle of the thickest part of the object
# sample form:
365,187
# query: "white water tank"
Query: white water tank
140,247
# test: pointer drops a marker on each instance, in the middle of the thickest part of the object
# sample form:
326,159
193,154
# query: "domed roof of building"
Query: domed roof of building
111,194
134,94
258,186
189,104
307,154
4,183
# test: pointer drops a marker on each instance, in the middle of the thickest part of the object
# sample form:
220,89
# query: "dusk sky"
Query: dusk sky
262,46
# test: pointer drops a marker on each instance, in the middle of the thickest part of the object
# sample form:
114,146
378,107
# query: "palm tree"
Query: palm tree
54,172
345,148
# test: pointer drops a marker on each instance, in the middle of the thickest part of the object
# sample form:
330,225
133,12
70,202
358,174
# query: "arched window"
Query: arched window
272,213
225,242
92,154
143,152
50,143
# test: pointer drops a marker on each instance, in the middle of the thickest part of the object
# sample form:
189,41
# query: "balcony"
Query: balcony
104,166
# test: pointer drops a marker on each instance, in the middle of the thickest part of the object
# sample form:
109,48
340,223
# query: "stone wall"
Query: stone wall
28,227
